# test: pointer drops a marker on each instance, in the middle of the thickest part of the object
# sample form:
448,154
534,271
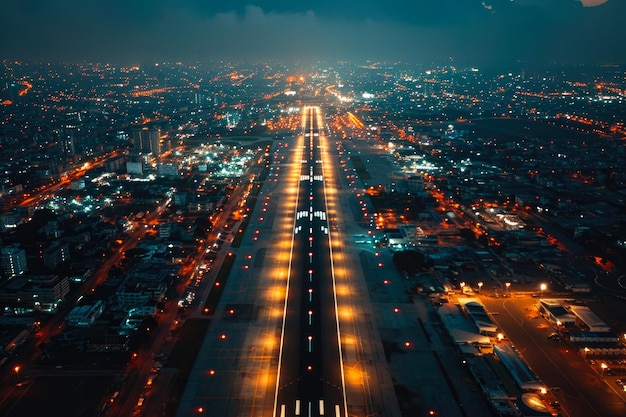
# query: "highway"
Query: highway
310,379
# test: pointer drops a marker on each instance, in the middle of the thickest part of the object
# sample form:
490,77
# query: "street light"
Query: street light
603,366
508,285
480,286
17,373
543,287
462,285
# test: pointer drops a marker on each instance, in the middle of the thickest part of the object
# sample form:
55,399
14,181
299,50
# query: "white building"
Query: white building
13,260
589,319
85,316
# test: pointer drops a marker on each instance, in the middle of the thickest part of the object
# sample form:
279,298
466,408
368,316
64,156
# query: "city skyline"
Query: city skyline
488,33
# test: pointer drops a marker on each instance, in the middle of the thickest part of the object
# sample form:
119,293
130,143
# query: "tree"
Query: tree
468,235
204,221
28,233
409,261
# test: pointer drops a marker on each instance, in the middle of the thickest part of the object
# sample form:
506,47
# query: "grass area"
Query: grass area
360,167
241,230
218,286
71,396
183,356
188,344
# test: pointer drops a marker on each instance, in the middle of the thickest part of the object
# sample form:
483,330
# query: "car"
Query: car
620,382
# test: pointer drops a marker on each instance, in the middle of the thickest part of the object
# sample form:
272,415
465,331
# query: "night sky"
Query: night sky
478,33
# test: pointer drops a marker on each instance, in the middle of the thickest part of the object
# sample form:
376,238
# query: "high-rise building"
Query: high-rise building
13,260
146,139
67,137
198,98
138,138
154,138
233,118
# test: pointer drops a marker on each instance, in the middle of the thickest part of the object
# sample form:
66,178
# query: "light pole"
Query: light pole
480,286
543,287
462,285
603,366
17,373
507,285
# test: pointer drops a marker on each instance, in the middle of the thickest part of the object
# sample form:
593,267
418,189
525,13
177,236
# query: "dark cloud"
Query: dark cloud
474,32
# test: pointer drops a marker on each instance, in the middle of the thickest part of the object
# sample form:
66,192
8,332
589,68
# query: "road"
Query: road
310,372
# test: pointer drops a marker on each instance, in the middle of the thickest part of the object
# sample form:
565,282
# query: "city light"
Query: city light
137,186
